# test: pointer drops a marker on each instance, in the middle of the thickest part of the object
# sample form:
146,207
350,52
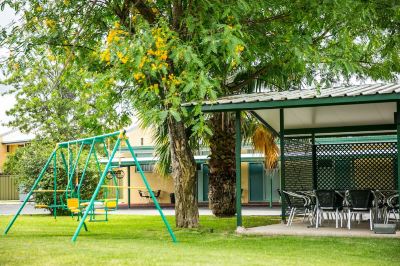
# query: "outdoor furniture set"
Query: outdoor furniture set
380,206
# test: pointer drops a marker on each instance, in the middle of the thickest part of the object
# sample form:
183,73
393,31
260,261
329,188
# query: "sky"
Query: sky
6,102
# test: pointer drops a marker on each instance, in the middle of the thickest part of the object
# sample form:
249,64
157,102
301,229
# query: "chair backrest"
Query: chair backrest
393,201
157,193
285,196
328,199
361,199
140,193
73,203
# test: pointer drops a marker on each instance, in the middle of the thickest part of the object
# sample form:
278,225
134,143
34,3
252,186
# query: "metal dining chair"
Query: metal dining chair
331,202
297,204
392,207
360,201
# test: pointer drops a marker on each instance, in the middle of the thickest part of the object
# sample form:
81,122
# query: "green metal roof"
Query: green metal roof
307,97
342,110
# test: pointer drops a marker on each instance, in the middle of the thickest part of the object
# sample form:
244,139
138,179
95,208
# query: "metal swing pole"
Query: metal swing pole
85,167
150,191
66,170
71,174
30,192
106,151
96,192
97,161
55,184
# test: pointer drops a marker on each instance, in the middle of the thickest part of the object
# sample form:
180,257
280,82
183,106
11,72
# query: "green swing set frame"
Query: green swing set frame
71,166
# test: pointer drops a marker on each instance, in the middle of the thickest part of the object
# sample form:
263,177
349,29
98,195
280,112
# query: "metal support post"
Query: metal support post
238,152
314,161
398,146
139,168
55,184
129,186
30,192
282,148
91,203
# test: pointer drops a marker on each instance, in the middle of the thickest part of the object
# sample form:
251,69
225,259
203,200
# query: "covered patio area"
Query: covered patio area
340,139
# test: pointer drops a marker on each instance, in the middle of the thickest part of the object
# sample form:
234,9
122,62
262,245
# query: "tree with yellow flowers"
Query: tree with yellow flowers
150,56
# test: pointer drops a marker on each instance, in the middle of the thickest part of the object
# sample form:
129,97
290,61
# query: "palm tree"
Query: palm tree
222,164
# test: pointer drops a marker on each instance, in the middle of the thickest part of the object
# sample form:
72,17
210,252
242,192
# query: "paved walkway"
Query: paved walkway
11,207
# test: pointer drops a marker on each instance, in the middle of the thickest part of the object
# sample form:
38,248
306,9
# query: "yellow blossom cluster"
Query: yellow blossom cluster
122,58
154,87
50,23
239,48
143,61
115,33
172,80
159,55
139,76
106,56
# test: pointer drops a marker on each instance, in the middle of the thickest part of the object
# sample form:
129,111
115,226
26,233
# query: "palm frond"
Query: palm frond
161,143
264,142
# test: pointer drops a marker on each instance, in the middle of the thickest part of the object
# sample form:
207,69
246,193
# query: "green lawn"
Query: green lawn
143,240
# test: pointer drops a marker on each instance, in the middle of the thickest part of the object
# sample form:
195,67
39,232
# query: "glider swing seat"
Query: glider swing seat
71,195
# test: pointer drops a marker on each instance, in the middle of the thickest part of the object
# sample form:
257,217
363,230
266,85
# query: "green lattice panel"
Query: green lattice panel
357,166
298,164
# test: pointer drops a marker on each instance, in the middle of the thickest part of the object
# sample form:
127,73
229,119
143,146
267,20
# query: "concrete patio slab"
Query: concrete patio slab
302,229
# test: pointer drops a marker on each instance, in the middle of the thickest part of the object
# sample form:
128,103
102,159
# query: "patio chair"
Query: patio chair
392,207
360,201
297,204
329,201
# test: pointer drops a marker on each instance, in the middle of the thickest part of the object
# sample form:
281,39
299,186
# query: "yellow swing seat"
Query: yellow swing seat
41,206
110,204
73,205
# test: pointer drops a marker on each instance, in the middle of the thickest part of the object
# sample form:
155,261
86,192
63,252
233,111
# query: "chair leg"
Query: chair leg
337,218
290,215
317,219
349,221
294,213
341,219
370,219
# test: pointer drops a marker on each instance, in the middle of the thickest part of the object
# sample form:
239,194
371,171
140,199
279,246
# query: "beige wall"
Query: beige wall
156,183
166,185
4,154
137,134
245,182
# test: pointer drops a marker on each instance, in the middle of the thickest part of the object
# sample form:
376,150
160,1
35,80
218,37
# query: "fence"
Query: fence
8,188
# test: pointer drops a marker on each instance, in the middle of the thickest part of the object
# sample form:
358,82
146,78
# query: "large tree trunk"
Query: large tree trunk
184,174
222,175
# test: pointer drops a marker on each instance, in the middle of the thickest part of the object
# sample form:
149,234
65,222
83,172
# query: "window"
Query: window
147,168
141,141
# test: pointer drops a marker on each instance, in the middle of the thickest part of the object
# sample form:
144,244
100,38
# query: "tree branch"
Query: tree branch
145,11
234,86
69,45
266,20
